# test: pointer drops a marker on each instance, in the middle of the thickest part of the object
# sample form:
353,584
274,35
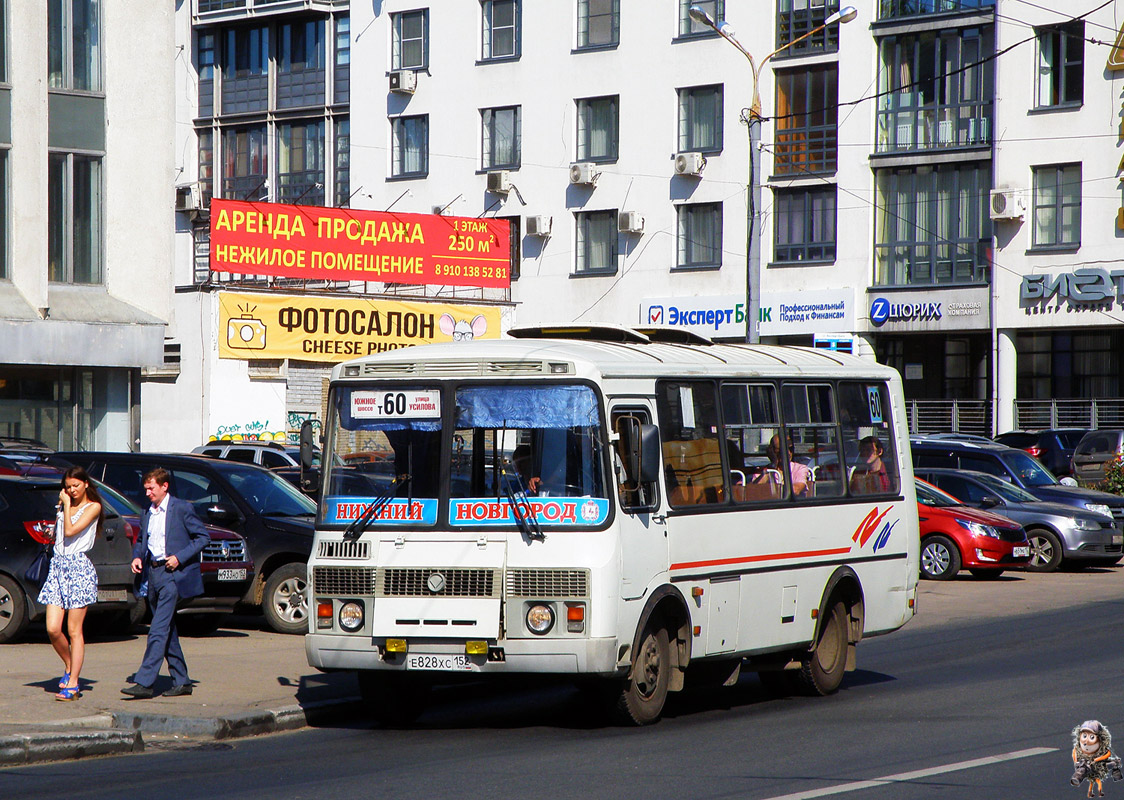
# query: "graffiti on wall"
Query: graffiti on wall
296,420
254,431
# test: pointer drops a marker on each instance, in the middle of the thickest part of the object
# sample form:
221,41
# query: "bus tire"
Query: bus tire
641,700
821,672
395,699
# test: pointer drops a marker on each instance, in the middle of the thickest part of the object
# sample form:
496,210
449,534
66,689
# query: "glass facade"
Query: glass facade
300,163
67,407
889,9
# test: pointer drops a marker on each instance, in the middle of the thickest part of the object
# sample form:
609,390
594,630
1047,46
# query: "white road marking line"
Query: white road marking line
920,773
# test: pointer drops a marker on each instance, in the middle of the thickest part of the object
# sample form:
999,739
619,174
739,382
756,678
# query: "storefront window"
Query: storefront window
67,408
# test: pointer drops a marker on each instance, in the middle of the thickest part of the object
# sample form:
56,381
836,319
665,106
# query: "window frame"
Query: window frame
488,30
398,127
302,192
688,98
62,51
67,240
488,138
689,29
584,119
397,40
685,216
4,206
1055,67
583,243
805,250
1057,208
807,138
792,23
583,25
341,164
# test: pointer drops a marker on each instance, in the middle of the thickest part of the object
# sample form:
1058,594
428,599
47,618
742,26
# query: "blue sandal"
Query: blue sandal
64,680
68,693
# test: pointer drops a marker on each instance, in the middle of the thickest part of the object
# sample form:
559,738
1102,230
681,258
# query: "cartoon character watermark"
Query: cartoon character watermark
1093,760
463,330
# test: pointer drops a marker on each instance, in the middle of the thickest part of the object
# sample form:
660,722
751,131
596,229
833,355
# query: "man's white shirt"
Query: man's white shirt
156,518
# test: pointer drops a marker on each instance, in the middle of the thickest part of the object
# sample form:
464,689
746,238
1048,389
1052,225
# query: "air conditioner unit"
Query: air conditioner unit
499,181
689,164
189,197
583,174
630,222
539,225
1007,204
403,81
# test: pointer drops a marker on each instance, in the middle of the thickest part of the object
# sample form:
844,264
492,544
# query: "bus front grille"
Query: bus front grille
438,582
547,583
349,550
340,581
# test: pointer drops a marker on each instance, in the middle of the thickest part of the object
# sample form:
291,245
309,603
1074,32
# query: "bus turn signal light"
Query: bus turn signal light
324,614
575,617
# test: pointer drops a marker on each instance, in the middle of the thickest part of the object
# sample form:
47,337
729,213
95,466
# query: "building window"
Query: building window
300,163
244,163
74,45
700,235
411,40
4,206
411,147
807,117
343,162
805,224
598,128
596,242
914,8
300,64
205,61
206,149
934,89
1057,205
74,218
700,119
245,70
689,27
795,18
501,28
515,234
599,23
1061,64
342,77
932,225
501,148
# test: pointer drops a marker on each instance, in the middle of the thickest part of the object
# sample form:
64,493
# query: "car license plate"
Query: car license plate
1118,538
1019,552
232,574
112,595
423,661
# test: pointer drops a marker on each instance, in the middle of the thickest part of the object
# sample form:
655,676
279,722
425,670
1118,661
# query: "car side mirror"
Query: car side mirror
222,514
990,501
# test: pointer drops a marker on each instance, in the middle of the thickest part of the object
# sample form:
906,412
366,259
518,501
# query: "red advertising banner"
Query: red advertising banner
337,244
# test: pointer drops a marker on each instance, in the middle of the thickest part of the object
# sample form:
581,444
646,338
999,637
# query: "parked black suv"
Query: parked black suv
275,519
1017,467
1053,447
27,513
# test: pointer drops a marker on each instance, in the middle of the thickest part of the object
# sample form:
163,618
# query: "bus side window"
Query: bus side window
692,452
635,491
868,439
749,412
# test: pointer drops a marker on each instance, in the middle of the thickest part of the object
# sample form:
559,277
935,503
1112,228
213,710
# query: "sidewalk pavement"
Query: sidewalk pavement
247,681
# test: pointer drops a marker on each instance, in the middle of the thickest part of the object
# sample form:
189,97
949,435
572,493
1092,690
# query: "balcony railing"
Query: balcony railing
947,263
907,125
945,416
1090,413
889,9
799,151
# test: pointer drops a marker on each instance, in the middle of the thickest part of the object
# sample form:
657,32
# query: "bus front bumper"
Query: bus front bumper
559,656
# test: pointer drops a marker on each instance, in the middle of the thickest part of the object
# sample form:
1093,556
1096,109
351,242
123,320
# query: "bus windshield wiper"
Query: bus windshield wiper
355,529
517,499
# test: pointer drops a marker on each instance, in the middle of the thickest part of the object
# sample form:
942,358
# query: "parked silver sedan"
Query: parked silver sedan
1056,532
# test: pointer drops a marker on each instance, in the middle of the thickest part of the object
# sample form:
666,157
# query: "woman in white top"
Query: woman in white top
72,582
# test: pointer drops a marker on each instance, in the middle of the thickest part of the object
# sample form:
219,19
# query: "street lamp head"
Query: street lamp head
698,14
845,14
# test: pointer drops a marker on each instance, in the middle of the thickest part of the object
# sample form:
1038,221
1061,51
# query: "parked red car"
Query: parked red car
954,536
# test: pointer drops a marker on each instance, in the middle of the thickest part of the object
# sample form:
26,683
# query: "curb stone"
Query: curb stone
41,747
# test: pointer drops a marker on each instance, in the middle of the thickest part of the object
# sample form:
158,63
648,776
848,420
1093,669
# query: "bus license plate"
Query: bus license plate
1019,552
232,574
423,661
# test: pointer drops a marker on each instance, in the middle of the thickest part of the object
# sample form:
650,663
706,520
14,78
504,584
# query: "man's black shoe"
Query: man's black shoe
138,691
177,690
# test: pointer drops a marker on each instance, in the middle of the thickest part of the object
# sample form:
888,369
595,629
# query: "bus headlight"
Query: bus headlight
540,618
351,616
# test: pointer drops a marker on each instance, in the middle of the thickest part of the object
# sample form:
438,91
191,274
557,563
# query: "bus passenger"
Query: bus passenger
870,477
799,474
521,459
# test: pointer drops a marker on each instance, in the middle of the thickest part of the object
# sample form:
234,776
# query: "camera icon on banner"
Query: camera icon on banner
245,332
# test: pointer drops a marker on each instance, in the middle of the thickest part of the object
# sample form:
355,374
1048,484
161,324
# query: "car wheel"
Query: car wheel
1045,550
940,560
986,574
285,599
13,610
822,671
641,700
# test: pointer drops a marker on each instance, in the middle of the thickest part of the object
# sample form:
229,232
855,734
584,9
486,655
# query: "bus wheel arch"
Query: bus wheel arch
839,627
657,659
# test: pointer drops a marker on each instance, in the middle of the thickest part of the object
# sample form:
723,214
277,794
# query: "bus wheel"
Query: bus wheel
395,699
641,700
822,671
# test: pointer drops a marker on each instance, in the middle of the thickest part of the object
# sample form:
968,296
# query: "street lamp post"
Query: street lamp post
752,118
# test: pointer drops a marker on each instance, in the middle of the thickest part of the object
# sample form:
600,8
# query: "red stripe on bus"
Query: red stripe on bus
722,562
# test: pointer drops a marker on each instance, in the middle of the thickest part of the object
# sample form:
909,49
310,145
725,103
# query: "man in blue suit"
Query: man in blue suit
167,553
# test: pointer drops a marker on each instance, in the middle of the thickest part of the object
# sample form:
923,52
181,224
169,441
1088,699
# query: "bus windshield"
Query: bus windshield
467,452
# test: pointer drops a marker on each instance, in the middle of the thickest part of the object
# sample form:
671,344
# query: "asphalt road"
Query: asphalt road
975,698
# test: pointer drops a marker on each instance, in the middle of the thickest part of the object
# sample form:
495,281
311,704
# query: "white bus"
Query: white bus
609,504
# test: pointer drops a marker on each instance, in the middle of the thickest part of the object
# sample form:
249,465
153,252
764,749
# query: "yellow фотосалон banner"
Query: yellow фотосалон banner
318,328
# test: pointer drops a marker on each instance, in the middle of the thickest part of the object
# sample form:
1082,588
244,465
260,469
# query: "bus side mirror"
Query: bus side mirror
649,454
308,444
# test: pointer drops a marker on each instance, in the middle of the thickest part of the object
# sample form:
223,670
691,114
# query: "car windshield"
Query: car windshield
1004,489
117,501
268,494
929,495
1028,469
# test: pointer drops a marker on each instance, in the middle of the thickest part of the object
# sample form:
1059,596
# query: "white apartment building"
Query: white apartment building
932,177
86,122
